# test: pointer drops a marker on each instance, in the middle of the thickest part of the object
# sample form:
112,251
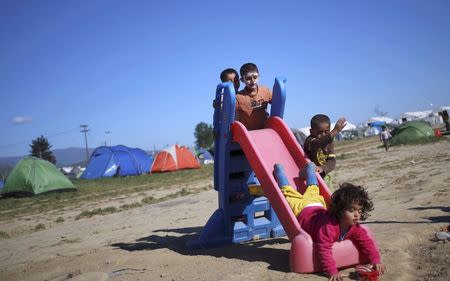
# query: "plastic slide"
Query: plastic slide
276,144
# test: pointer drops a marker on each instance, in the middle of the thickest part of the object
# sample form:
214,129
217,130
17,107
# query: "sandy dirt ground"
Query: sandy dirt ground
409,185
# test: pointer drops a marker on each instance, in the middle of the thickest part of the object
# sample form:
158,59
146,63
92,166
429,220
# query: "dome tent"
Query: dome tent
205,157
33,176
108,161
412,132
174,158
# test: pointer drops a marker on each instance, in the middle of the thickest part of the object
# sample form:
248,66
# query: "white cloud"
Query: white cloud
18,120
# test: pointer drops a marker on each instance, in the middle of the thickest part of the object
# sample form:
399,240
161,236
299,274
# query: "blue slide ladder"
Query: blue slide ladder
240,216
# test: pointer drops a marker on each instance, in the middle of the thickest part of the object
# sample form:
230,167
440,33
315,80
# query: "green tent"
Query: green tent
412,132
34,176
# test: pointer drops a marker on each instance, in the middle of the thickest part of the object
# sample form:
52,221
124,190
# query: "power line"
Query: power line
48,136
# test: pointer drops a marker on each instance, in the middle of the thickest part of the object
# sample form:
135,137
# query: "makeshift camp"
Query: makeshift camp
174,158
72,172
372,131
412,132
205,157
33,176
119,160
384,119
414,116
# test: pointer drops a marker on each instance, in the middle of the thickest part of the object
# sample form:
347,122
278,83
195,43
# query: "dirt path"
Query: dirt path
410,187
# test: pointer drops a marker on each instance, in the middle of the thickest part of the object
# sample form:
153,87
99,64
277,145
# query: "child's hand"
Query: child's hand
336,277
319,169
340,124
380,267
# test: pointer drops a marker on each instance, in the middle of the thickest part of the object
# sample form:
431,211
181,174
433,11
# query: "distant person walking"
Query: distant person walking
445,118
385,137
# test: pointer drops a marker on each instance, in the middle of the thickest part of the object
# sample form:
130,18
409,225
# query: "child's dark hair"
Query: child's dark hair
345,196
319,119
248,67
223,75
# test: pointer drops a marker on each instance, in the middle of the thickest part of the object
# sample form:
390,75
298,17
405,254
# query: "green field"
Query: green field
99,189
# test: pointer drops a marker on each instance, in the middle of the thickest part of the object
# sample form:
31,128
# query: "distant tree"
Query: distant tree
40,148
204,135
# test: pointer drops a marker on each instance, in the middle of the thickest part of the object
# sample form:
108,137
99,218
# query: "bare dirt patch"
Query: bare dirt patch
410,187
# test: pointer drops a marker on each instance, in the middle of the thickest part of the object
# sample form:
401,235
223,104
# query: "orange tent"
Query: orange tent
174,158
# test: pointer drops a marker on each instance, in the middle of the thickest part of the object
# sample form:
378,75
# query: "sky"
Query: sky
144,73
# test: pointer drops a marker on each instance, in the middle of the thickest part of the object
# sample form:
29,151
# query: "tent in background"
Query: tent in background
205,157
299,135
108,161
33,176
372,131
72,172
412,132
385,119
174,158
414,116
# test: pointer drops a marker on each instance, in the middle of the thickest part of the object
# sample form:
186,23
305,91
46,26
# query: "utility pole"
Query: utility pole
84,129
107,133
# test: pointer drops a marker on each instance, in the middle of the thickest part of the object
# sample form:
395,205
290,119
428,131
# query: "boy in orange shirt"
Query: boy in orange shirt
251,102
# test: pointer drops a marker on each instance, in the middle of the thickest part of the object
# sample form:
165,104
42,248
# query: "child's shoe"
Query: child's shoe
309,174
280,175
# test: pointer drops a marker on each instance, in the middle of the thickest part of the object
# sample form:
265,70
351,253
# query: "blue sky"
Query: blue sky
146,71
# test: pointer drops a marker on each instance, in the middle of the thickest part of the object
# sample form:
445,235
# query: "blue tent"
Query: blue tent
377,124
108,161
205,157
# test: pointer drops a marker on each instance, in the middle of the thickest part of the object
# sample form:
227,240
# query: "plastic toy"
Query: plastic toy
366,274
262,149
244,214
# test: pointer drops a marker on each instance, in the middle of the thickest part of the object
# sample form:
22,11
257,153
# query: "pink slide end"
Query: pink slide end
276,144
304,257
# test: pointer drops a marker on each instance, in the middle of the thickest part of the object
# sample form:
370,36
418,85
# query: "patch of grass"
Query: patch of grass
39,226
95,212
145,201
59,219
184,192
148,200
130,206
4,235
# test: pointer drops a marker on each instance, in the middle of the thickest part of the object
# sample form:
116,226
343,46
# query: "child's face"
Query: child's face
231,77
351,215
251,80
321,130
